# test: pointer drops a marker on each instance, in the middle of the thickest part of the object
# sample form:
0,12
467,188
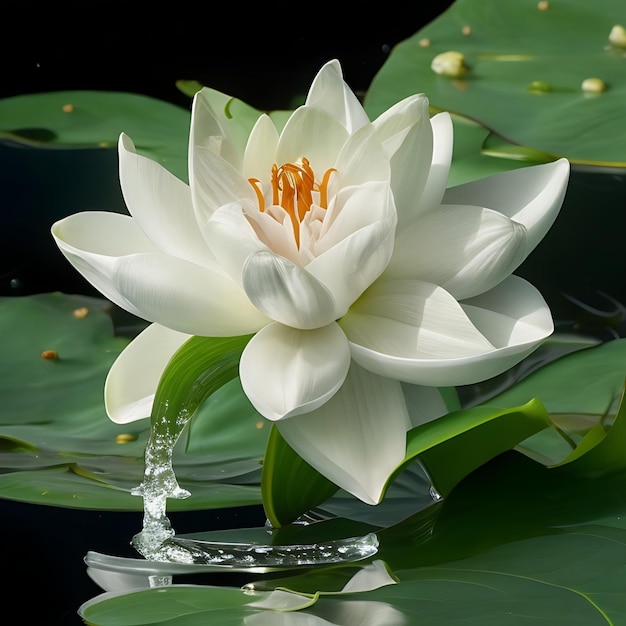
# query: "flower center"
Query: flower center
295,189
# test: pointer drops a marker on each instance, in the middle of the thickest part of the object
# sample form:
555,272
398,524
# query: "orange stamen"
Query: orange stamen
292,189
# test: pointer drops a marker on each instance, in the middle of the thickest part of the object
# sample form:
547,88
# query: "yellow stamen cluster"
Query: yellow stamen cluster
292,189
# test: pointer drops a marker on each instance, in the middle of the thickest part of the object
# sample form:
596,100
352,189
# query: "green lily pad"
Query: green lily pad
57,445
514,543
524,70
90,119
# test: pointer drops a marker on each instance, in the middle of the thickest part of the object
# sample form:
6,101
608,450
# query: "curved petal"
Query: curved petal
185,297
362,159
531,196
424,404
211,131
232,239
407,135
415,320
214,182
443,140
358,438
287,293
134,376
353,263
161,205
314,134
464,249
330,93
513,318
114,256
260,152
286,372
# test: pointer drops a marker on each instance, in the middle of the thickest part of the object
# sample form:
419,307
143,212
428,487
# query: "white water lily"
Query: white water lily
335,241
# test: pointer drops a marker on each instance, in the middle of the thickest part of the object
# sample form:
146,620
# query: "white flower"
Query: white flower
335,241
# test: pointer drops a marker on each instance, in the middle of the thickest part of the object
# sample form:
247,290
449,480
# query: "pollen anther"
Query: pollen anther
293,185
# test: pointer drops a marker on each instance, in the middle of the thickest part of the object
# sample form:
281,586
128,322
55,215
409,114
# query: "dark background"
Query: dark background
265,54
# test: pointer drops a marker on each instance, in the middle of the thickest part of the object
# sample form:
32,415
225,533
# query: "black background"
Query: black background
263,54
266,54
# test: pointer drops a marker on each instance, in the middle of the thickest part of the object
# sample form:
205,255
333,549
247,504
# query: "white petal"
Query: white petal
286,372
413,319
161,205
116,257
531,196
465,249
443,133
185,297
260,152
232,239
211,130
215,182
352,264
424,404
358,438
369,577
287,293
406,132
363,159
513,317
314,134
92,241
330,93
134,376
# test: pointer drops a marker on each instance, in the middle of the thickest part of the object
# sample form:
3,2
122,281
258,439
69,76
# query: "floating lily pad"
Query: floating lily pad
524,65
57,445
95,119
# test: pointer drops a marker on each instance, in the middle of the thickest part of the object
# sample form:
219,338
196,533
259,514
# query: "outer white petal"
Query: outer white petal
330,93
465,249
286,372
424,404
407,135
287,293
161,205
358,438
413,319
531,196
112,253
185,297
513,317
134,376
314,134
443,133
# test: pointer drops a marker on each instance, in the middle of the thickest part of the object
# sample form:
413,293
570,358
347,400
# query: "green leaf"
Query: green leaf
601,451
91,119
289,485
453,446
57,445
199,368
514,543
507,48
